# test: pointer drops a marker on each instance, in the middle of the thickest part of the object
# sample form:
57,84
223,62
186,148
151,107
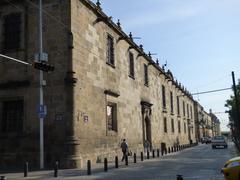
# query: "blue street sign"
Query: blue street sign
42,111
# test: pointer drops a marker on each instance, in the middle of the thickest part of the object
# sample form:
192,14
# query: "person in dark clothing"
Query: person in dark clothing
124,147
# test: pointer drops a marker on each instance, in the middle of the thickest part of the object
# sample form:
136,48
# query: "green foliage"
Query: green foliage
231,103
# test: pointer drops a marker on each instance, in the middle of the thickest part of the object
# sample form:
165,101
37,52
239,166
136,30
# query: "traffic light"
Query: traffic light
43,66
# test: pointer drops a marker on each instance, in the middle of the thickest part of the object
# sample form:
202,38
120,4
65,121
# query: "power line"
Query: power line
16,60
205,92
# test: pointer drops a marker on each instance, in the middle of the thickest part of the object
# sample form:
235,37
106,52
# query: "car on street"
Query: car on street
206,140
231,169
219,141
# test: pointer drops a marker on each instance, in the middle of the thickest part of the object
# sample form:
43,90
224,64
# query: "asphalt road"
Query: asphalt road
197,163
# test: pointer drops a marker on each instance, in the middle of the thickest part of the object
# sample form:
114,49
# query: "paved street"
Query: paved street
200,162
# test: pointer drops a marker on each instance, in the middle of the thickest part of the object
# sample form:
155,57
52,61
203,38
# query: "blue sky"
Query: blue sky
199,39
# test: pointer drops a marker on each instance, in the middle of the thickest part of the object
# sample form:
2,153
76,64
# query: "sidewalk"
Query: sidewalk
97,169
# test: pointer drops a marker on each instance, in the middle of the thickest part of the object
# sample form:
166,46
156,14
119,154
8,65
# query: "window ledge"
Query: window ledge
112,133
110,64
132,77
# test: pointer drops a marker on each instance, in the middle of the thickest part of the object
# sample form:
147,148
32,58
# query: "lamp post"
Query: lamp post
41,117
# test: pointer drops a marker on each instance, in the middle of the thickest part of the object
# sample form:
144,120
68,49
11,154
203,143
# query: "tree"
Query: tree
233,112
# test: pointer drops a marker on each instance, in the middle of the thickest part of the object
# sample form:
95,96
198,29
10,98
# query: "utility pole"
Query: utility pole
236,120
41,118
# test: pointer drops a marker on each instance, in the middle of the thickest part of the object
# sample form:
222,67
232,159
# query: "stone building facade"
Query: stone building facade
104,88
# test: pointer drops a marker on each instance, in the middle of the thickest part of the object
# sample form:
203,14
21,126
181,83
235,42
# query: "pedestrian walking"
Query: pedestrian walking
146,146
124,147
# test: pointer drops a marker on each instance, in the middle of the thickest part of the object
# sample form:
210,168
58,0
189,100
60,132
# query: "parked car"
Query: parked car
206,140
219,141
231,169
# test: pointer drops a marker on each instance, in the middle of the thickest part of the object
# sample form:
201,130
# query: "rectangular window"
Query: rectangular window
12,116
191,112
178,106
110,50
187,111
184,109
145,75
171,101
112,116
172,122
131,65
163,97
179,127
12,31
185,129
165,124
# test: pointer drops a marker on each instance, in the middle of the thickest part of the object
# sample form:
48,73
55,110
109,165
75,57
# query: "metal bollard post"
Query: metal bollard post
56,169
179,177
172,149
89,171
105,165
147,154
126,160
26,169
3,178
134,158
165,150
169,150
162,152
116,162
157,152
141,156
153,153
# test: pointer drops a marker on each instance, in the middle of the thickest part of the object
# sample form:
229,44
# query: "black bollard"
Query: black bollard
141,156
116,162
179,177
147,154
172,149
157,152
56,169
126,160
26,169
162,152
134,158
89,171
105,165
165,150
169,150
153,153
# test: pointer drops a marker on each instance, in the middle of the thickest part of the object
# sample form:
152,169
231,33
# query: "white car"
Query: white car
219,141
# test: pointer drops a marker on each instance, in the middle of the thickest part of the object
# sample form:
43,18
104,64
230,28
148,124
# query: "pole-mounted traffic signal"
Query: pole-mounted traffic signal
43,66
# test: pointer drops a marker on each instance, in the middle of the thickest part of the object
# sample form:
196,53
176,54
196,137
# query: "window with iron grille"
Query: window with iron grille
184,109
112,116
163,97
171,101
179,127
110,50
12,116
12,31
191,112
172,122
178,107
131,65
165,124
185,128
145,75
